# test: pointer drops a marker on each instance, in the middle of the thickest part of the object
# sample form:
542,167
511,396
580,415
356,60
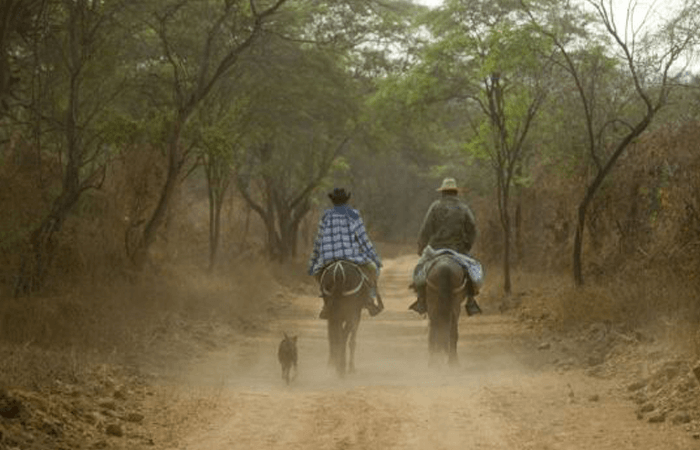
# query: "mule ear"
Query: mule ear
294,339
285,336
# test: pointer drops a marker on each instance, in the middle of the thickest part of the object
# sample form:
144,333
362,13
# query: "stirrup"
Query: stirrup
325,309
373,309
418,307
472,307
324,313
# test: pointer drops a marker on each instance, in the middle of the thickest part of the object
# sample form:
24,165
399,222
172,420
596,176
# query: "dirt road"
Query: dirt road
504,394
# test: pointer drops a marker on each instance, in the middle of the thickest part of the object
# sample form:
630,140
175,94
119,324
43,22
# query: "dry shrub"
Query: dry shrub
27,185
542,220
123,319
34,367
545,294
642,235
626,302
650,226
567,307
93,302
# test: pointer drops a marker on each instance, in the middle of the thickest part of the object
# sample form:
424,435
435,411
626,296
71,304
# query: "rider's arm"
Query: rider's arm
364,242
316,252
426,230
470,231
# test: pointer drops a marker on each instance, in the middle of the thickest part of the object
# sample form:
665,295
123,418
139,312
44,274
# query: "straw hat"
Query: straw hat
448,184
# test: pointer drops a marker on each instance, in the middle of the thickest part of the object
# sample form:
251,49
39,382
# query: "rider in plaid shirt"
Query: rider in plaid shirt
342,236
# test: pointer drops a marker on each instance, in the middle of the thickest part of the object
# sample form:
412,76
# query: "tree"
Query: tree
19,23
647,58
217,160
305,109
200,44
308,113
220,126
82,84
484,56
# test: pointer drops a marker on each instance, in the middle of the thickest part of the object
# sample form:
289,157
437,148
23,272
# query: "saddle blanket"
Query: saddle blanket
429,256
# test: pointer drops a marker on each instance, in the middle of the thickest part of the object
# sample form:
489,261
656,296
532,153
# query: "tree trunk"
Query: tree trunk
218,176
35,265
215,204
519,245
506,252
593,188
503,204
286,238
246,228
148,236
578,243
580,228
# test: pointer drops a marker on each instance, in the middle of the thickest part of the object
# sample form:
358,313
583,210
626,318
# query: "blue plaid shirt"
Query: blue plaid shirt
342,235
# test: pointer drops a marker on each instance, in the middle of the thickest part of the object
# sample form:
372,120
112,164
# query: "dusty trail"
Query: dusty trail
502,396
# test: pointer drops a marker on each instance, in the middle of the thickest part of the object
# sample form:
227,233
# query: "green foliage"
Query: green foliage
340,166
481,144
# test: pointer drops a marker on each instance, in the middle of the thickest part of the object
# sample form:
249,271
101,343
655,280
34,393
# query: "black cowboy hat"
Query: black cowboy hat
339,195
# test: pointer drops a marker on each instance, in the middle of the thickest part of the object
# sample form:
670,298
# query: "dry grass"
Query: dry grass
48,338
93,303
32,367
641,241
665,311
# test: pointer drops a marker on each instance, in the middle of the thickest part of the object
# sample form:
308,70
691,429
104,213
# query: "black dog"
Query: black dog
287,356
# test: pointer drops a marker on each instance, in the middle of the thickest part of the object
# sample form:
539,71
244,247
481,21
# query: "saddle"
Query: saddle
471,266
338,270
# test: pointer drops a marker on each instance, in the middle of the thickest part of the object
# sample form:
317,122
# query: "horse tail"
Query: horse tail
339,279
332,280
342,279
445,291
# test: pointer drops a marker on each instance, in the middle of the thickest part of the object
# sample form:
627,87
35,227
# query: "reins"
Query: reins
338,269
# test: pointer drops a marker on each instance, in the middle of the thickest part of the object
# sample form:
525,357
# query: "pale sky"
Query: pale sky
619,12
431,3
619,6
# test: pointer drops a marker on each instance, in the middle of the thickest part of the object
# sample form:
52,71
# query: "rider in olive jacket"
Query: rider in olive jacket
448,224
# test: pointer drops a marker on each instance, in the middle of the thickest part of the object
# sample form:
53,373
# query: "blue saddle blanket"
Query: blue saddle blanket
429,256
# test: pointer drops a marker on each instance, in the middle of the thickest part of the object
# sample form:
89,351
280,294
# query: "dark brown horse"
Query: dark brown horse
346,289
445,292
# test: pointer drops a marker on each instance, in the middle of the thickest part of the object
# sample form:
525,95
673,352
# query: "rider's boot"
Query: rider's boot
374,308
419,305
472,307
324,311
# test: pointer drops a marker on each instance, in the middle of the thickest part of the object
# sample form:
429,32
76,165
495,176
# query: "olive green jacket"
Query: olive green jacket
449,223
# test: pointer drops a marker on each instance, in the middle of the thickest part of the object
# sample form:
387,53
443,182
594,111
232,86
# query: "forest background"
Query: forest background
157,154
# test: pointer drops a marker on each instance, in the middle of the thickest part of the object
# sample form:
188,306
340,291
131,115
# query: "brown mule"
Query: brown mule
346,291
445,292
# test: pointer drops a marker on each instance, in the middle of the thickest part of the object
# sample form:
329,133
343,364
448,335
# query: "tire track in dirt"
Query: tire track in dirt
503,394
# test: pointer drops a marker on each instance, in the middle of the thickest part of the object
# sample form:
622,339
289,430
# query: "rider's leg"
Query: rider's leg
471,307
370,271
419,286
324,310
420,305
